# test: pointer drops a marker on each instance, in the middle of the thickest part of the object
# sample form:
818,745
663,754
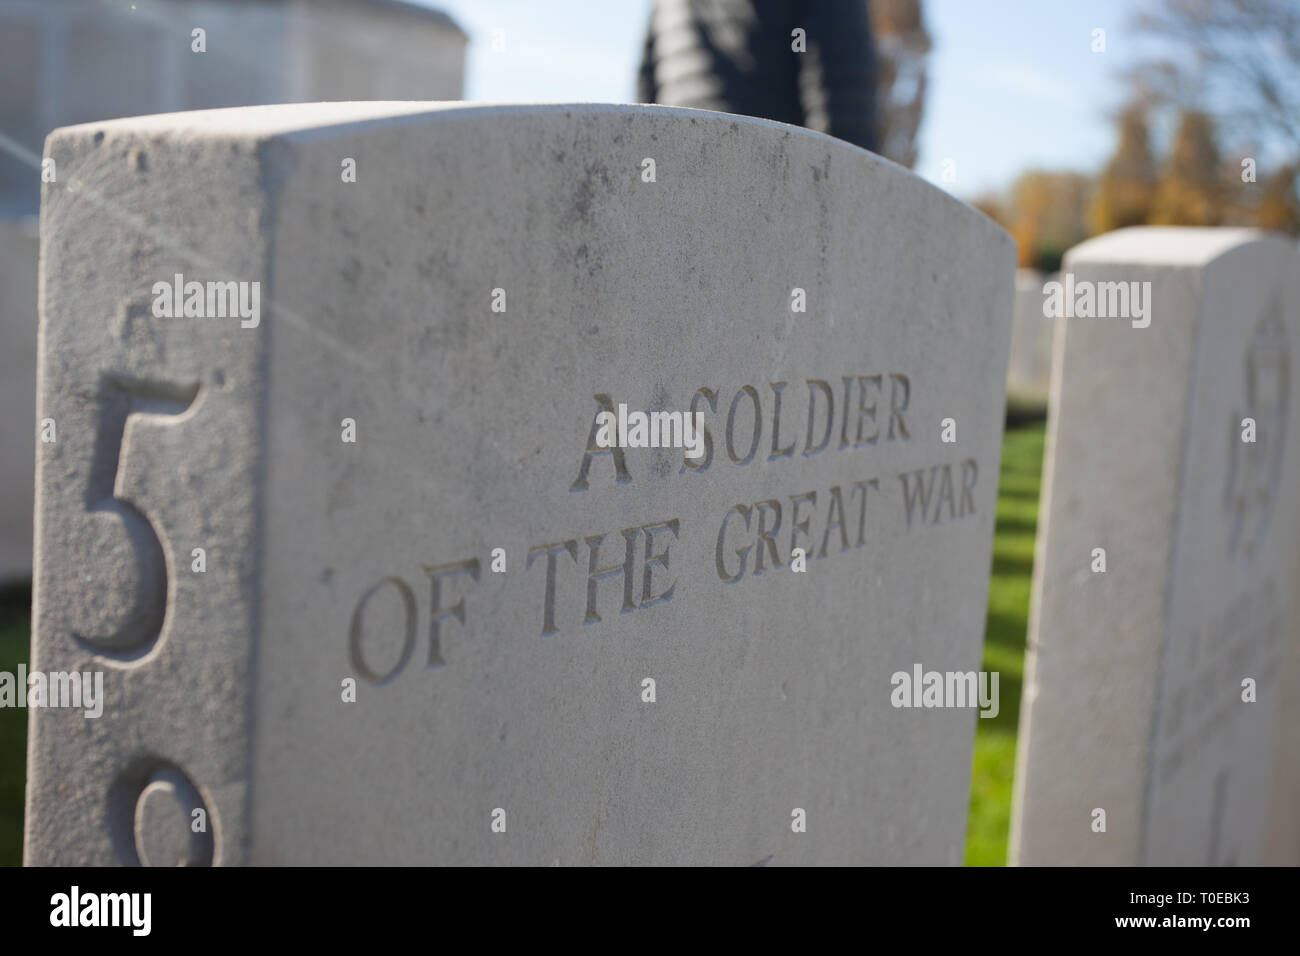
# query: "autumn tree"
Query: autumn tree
1046,213
1191,187
1278,208
1238,62
1126,187
1243,55
902,44
992,206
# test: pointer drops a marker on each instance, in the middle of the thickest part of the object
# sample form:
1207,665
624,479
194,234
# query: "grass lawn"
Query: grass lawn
1004,644
15,610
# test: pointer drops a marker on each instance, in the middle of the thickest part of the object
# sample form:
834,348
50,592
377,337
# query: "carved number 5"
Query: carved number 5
121,545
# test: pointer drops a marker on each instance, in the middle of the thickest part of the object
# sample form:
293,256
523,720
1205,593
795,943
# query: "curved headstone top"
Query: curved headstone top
1163,245
392,455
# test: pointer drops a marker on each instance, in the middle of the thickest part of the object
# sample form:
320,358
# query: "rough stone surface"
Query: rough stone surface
1282,844
18,255
520,691
1133,700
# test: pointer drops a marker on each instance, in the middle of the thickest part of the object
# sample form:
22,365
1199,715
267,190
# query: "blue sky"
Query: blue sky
1013,83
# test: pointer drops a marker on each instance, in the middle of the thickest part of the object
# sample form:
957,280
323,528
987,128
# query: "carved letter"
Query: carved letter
660,559
552,551
408,643
594,449
813,386
596,575
731,424
457,610
744,512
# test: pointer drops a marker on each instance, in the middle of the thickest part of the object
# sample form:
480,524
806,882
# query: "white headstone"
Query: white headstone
560,652
1138,674
1282,843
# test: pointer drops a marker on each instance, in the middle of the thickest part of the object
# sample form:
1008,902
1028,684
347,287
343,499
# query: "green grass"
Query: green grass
15,610
1004,644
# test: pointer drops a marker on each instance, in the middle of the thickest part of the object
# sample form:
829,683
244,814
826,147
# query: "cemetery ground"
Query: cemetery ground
1004,651
1005,628
15,644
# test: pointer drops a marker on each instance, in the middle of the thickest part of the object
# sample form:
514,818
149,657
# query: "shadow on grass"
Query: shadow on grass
15,621
1006,631
1013,565
1012,525
1008,717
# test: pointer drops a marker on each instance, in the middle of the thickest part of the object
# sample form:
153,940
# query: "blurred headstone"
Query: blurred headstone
1029,372
1167,557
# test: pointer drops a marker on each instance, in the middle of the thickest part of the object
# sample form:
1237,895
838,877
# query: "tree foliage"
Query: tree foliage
902,45
1126,187
1231,69
1191,189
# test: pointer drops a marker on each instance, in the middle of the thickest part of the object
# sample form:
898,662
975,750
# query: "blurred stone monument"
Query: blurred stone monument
1159,713
1029,372
64,62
